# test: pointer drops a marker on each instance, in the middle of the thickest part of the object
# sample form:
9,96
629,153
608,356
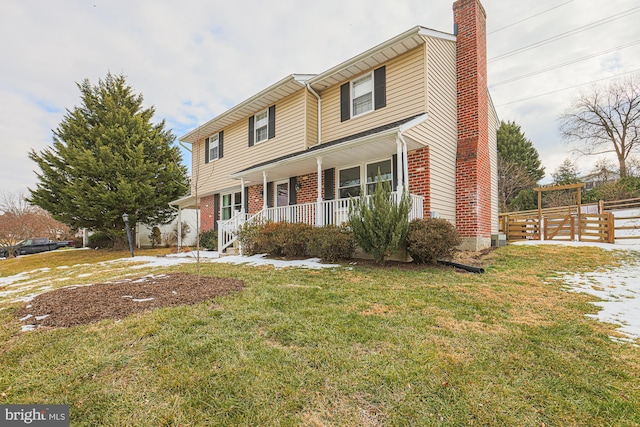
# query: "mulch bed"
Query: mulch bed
87,304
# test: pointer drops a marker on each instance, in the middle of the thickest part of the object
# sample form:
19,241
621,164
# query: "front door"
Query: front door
282,194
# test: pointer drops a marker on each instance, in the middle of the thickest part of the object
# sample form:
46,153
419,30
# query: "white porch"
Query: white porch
321,213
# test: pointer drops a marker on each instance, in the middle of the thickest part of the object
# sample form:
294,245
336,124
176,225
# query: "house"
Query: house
414,111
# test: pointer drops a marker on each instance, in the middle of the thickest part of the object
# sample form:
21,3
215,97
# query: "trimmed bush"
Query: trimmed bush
332,243
432,239
209,240
100,240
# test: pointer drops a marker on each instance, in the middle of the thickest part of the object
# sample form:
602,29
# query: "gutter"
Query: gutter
314,93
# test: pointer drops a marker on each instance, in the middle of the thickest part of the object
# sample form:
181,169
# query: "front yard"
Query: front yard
348,345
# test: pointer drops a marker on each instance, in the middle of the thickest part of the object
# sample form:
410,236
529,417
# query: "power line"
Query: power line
567,34
567,88
526,19
564,64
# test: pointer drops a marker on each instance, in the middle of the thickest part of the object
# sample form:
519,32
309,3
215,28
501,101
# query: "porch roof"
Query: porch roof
365,146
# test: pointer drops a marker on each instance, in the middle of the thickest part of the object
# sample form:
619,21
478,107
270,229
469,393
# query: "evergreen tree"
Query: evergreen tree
380,223
519,165
108,158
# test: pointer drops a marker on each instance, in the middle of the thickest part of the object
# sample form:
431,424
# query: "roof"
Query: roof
370,143
344,71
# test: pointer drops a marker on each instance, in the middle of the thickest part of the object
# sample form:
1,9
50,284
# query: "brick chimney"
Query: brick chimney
473,170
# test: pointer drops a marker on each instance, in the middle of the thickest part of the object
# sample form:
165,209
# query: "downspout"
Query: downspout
314,93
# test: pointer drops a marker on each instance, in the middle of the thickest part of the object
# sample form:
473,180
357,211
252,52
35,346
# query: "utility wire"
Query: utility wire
564,64
526,19
567,34
567,88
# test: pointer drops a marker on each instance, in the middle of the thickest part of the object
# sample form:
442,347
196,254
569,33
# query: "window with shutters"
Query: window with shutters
362,95
214,147
262,126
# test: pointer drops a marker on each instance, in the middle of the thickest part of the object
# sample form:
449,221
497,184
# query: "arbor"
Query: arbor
606,120
108,158
519,166
379,222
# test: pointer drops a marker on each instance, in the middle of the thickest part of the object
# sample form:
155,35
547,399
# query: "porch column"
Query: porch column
242,198
399,167
405,162
179,228
319,216
264,190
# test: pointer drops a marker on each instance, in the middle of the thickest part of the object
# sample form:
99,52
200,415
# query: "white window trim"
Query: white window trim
255,127
373,95
233,205
214,138
363,174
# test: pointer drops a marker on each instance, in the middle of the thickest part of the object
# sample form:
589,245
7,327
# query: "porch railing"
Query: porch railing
330,212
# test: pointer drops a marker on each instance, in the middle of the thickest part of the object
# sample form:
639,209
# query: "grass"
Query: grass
355,345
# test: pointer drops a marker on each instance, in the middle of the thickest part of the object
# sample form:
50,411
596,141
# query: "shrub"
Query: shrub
431,239
332,243
275,238
379,223
155,237
209,240
100,240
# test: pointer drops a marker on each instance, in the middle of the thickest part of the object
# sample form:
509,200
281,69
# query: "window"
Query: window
379,170
282,193
349,183
362,95
213,147
231,204
262,126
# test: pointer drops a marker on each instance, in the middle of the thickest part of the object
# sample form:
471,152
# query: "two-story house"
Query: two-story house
414,111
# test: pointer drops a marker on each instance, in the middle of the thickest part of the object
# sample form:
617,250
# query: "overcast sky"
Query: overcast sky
194,59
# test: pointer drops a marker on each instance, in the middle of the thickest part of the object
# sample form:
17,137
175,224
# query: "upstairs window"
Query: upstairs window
362,95
262,126
213,147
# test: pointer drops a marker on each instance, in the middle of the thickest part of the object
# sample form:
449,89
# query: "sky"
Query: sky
194,59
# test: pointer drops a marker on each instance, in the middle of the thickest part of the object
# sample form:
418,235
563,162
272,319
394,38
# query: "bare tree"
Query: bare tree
512,178
606,120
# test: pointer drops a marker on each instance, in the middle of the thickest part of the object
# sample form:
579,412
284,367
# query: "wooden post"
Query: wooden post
579,214
611,227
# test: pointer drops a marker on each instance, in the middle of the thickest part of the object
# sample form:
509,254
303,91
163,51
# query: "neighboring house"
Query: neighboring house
414,111
168,232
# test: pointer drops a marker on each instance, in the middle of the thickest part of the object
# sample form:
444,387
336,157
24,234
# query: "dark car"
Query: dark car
34,246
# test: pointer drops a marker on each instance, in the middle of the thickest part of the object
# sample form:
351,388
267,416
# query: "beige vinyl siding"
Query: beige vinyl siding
405,98
440,129
290,137
311,122
493,160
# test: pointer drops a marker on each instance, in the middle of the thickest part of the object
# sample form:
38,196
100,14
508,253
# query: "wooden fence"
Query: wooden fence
598,222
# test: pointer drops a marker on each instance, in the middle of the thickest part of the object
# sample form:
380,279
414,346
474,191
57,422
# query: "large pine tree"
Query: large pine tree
108,158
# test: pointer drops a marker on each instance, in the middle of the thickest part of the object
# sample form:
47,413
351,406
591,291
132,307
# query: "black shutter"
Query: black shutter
329,184
251,131
394,168
380,87
246,199
216,210
269,194
345,102
206,150
272,121
293,193
220,142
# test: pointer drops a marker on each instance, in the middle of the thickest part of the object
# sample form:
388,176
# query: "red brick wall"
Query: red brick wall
420,177
308,188
255,199
207,214
473,173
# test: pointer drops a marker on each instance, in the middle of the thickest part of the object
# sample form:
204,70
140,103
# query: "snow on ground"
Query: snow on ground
617,288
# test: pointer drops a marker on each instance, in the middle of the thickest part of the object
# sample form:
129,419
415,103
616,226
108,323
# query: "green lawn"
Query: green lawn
352,346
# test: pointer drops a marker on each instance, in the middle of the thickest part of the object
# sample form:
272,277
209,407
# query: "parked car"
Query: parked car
34,246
